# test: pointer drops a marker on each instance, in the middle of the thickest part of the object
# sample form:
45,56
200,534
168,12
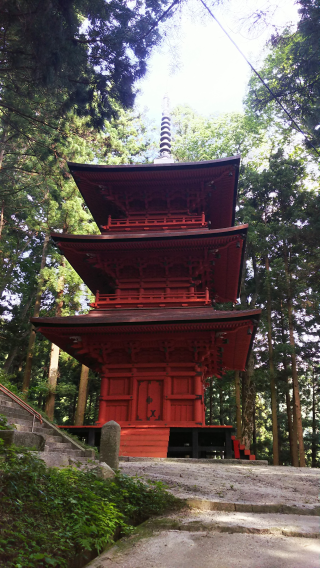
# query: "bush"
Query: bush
48,516
4,423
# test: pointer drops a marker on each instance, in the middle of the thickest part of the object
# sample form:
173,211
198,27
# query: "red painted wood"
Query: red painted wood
144,442
151,189
236,448
146,223
153,335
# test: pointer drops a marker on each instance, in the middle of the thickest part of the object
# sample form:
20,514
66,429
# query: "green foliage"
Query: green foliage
4,425
291,70
77,54
48,515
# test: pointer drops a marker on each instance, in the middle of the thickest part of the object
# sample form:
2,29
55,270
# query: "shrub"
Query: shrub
4,423
47,516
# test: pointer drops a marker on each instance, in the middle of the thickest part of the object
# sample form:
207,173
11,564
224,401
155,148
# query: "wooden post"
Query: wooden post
82,398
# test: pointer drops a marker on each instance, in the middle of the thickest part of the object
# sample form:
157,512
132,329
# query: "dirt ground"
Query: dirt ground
233,483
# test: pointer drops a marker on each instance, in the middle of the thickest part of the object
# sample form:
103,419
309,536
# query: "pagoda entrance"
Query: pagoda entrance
149,400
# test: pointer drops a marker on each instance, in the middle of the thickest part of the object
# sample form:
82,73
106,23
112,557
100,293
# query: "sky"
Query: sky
199,66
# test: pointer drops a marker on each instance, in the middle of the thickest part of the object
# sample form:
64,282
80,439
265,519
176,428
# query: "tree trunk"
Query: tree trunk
82,398
254,432
221,413
238,403
36,311
90,406
248,403
293,441
54,354
211,397
275,440
314,424
73,408
295,381
14,351
52,380
2,219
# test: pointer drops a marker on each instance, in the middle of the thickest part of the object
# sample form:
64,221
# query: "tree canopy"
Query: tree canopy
83,55
291,70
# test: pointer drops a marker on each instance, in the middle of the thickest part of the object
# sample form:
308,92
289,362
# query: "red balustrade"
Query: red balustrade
147,223
104,301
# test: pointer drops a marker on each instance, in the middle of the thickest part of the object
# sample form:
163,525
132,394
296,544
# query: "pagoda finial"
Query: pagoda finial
165,136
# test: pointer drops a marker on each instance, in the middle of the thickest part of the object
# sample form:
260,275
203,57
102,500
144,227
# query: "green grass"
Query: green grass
49,516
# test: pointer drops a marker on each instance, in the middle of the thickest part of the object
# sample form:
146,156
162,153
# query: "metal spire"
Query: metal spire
165,136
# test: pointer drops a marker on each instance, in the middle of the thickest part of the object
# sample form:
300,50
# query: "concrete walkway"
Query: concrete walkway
235,519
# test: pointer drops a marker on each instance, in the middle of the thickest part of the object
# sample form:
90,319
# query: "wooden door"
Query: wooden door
150,395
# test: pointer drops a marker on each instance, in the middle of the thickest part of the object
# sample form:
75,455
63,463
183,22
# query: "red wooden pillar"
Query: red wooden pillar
198,391
167,390
102,418
134,400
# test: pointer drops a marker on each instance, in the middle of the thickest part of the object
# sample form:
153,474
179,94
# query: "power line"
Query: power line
163,15
261,79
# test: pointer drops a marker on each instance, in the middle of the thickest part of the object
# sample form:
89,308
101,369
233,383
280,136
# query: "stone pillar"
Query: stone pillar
110,444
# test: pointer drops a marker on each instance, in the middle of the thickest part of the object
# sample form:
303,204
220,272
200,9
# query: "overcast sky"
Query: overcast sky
199,66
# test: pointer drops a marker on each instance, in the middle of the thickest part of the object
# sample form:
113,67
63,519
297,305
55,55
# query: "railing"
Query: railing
103,301
146,223
23,405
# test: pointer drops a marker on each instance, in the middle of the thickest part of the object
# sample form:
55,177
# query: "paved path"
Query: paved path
233,483
179,549
238,536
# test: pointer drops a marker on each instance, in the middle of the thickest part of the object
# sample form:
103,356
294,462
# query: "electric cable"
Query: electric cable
159,19
261,79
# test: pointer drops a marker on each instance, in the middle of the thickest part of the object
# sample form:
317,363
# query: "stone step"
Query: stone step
17,413
54,438
20,422
58,446
4,397
56,442
46,431
8,403
70,453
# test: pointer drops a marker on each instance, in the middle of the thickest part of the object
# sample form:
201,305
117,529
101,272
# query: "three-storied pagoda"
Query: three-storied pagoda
168,251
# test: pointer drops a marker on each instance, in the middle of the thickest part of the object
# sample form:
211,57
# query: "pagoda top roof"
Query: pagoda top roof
103,186
130,168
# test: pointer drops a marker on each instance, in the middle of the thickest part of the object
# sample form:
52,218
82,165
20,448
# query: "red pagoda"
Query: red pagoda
168,251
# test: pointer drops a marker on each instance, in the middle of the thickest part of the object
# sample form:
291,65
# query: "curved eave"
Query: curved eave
150,235
148,316
78,248
230,160
91,178
75,334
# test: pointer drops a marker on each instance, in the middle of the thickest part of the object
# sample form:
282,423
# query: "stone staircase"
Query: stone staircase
59,449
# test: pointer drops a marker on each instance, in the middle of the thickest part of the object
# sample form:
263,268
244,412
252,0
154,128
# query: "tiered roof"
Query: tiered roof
158,213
